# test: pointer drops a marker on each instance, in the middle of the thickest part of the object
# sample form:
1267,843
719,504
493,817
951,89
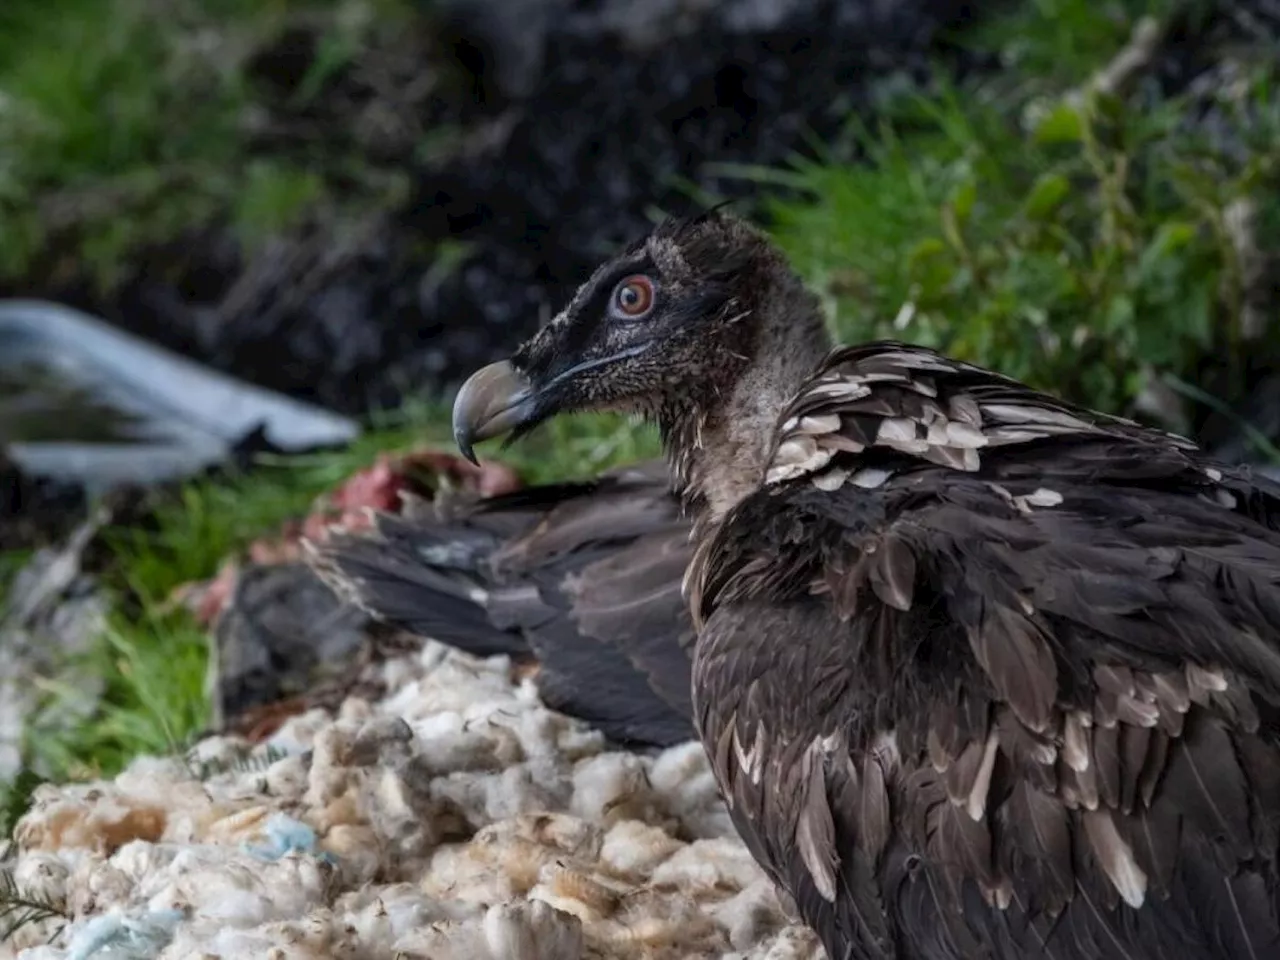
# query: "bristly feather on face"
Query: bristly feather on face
595,355
671,329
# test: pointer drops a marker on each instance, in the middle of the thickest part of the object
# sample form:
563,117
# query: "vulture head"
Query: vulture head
701,327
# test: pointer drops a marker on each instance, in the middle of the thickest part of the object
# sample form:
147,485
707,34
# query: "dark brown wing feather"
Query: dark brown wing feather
583,577
1036,658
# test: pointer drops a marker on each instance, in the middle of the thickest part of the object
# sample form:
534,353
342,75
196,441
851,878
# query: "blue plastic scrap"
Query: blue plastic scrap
122,937
286,835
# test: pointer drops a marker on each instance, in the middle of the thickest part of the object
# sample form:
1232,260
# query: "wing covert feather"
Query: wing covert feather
1057,631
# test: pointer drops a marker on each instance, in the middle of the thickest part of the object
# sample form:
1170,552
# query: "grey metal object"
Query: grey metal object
87,403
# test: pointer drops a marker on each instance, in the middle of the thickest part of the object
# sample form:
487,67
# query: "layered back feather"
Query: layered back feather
984,674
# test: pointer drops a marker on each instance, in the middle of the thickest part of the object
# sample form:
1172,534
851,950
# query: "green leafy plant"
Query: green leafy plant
1076,246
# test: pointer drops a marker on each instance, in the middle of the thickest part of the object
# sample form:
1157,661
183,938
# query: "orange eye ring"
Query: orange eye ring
633,297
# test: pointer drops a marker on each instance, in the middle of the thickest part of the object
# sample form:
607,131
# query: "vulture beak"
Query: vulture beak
493,401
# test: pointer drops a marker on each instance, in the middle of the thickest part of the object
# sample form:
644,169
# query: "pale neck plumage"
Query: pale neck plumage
719,449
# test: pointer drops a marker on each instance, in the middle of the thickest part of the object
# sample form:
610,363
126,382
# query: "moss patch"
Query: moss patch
131,123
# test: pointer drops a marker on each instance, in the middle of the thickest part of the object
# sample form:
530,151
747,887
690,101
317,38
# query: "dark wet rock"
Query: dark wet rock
1204,45
629,99
19,496
34,511
282,634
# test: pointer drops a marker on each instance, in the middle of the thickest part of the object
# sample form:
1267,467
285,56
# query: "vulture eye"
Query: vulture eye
633,297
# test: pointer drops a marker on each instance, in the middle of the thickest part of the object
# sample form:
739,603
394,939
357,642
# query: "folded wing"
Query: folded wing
1015,666
583,578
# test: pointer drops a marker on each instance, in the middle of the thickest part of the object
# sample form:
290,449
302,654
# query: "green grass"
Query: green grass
1080,243
129,123
154,701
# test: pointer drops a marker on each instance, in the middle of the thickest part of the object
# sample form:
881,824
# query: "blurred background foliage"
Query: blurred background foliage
1057,224
139,122
1067,225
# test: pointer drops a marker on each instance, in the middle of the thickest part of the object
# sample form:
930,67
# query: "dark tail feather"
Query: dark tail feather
419,576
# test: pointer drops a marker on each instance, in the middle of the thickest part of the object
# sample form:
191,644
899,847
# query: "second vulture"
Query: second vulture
980,673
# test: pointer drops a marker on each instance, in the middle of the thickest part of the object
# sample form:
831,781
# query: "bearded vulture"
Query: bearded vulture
581,580
980,673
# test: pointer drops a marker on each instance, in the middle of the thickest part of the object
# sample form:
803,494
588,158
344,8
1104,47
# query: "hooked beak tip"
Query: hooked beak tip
493,401
465,448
